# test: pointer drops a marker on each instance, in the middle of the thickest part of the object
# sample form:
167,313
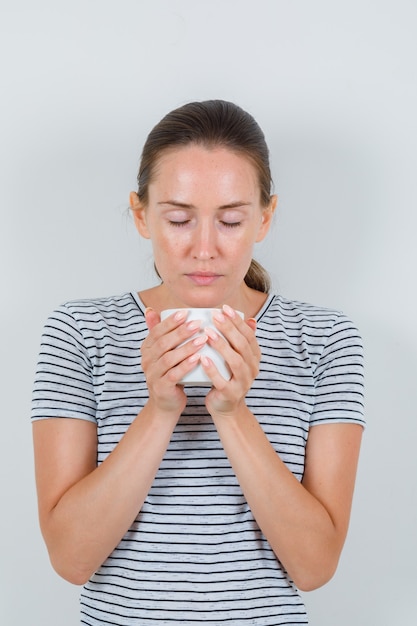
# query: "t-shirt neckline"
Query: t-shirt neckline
135,295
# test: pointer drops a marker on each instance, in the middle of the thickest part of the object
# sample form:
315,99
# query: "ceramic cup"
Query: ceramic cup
197,376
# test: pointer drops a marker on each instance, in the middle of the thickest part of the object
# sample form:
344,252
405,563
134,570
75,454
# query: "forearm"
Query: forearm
92,516
297,526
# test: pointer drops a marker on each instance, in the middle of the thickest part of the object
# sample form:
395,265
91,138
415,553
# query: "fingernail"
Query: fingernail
194,325
205,361
148,309
218,316
211,333
200,340
228,310
180,315
194,357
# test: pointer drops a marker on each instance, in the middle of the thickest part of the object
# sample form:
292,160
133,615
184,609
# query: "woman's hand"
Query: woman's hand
242,354
165,361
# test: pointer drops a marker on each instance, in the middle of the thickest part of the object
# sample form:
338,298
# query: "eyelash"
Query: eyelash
231,224
226,224
178,224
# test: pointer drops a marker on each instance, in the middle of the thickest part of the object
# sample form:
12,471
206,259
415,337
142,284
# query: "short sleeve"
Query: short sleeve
339,377
63,382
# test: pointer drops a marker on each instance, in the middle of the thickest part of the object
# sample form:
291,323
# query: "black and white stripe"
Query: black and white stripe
195,553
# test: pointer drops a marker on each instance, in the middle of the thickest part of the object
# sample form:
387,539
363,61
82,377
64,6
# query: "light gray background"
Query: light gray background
333,84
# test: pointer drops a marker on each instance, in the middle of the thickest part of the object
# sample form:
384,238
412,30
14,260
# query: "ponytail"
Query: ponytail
258,278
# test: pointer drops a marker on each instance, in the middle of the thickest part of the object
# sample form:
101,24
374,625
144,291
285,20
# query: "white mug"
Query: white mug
197,376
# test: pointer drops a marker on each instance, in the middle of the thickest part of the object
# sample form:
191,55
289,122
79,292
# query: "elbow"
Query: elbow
309,579
311,583
68,568
70,573
71,556
316,566
69,559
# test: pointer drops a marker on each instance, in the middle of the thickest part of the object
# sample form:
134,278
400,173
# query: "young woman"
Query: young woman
184,505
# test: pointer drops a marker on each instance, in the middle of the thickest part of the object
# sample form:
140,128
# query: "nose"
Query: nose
205,241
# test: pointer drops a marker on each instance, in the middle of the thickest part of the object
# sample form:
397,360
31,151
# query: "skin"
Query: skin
203,217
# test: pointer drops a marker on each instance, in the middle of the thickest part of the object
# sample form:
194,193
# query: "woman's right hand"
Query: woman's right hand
165,361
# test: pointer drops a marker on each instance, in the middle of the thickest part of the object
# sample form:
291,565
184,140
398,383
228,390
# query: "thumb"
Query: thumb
151,317
251,322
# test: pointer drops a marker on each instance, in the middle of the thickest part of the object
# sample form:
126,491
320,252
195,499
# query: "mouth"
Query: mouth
203,278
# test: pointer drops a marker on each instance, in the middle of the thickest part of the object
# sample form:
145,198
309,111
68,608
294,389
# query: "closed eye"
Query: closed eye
230,224
183,223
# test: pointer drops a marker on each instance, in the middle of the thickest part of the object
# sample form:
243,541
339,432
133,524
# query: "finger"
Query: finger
152,318
213,373
242,325
235,361
175,374
179,354
176,338
238,333
230,318
251,322
172,321
169,332
239,348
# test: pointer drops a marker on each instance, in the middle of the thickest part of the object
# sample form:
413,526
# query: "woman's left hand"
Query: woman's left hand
241,351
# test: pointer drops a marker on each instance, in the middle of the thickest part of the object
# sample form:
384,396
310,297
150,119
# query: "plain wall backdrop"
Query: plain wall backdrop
334,87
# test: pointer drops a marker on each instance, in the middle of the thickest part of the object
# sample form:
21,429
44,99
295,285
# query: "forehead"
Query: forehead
200,169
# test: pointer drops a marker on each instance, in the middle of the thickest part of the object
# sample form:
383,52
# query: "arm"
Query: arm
305,524
85,510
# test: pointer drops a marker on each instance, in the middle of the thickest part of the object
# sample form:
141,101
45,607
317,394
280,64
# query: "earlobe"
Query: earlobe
267,215
139,215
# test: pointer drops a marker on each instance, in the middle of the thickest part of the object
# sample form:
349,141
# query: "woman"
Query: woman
182,505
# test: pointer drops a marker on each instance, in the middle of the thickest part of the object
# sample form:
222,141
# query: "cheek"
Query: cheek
241,244
177,238
167,247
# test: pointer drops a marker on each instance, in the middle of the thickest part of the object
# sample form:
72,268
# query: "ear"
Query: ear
267,215
139,215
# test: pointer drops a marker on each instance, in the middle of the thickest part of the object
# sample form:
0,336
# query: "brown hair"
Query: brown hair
212,123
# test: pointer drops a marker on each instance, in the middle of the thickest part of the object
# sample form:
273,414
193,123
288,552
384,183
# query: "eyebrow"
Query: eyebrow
184,205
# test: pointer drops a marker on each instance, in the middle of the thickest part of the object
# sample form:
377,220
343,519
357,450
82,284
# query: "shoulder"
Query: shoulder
117,308
286,308
303,323
85,316
298,314
108,307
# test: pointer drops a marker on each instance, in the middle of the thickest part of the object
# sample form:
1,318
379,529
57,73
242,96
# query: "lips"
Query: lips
203,278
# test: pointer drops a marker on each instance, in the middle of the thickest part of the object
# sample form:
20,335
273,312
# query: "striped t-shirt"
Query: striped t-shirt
195,553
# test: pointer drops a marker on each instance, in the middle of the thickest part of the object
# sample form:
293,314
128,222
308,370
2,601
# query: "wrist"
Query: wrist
231,413
160,412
